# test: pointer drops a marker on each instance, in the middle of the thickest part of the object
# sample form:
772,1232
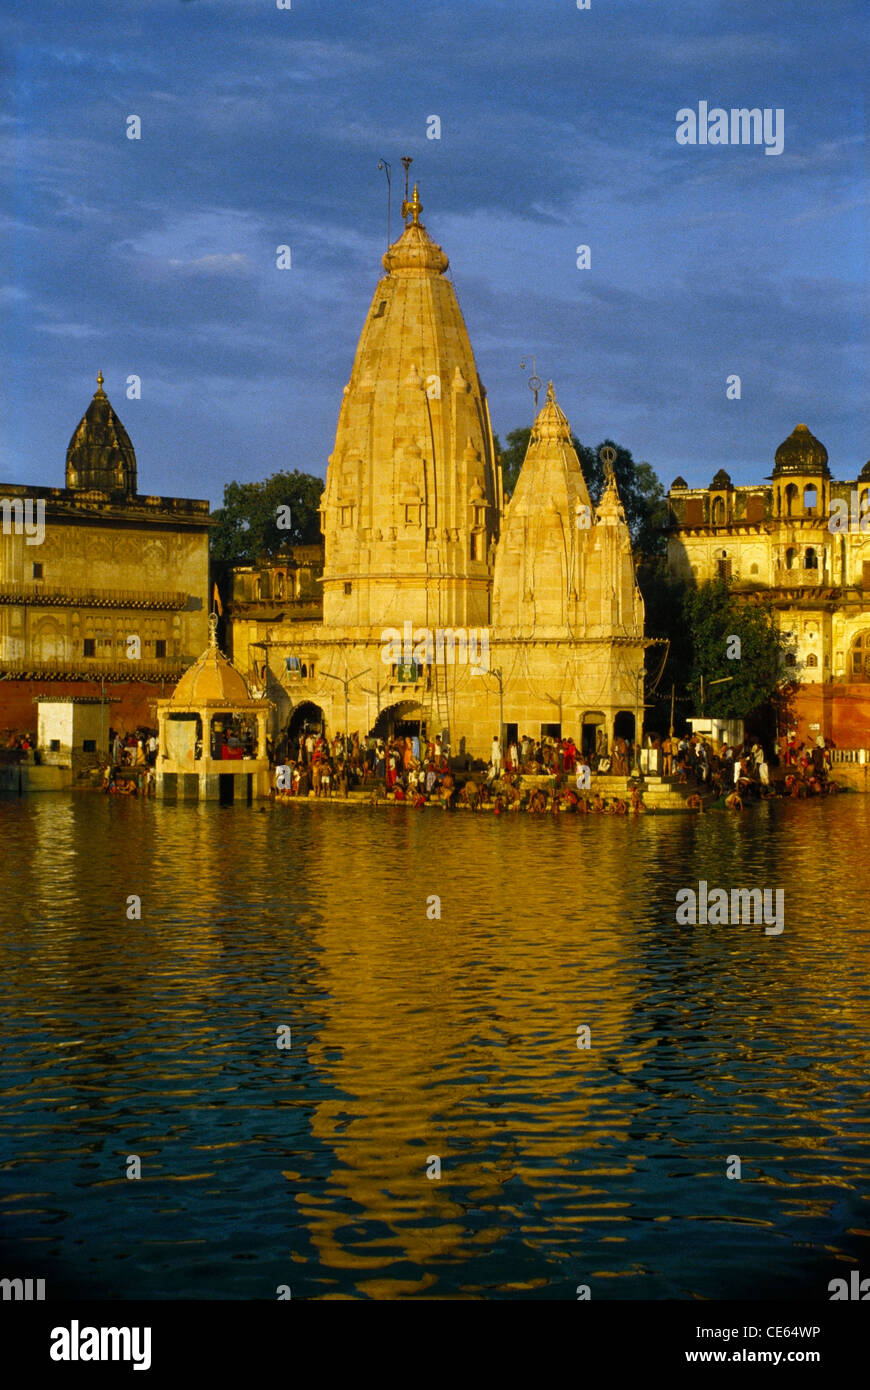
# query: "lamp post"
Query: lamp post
497,672
346,681
723,680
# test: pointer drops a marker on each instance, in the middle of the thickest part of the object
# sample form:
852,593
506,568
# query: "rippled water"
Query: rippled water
414,1038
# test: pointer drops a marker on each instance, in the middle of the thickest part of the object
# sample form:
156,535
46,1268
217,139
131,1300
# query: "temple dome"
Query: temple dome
212,680
100,454
678,482
721,481
801,453
415,253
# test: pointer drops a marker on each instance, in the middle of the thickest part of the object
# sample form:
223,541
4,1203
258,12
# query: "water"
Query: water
413,1038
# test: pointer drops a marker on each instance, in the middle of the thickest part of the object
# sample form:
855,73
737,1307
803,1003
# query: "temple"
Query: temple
446,611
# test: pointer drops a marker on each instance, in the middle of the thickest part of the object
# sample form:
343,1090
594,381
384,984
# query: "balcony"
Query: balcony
38,593
95,668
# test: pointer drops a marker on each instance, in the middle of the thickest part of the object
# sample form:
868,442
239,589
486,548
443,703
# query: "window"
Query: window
811,561
160,648
37,571
279,586
723,569
348,587
90,646
861,656
89,745
379,312
811,497
753,569
718,511
812,659
54,745
412,513
789,559
790,659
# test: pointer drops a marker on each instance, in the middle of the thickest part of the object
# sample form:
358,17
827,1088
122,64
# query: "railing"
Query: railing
850,755
35,593
93,669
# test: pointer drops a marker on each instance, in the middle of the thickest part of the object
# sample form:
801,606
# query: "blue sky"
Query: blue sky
263,127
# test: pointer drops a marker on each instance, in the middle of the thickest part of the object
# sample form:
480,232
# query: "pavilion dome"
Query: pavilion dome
801,453
212,680
100,454
679,481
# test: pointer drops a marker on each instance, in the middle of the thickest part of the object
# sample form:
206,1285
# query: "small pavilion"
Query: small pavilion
212,733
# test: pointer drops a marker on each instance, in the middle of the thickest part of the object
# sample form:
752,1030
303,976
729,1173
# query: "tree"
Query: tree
640,491
733,639
253,521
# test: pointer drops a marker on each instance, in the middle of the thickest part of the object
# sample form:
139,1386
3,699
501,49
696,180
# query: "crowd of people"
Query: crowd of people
13,741
408,769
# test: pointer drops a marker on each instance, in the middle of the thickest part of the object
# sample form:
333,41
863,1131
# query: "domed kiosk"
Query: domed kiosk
212,733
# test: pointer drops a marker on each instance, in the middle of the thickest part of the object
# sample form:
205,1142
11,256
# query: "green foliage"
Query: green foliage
512,457
247,524
713,616
640,491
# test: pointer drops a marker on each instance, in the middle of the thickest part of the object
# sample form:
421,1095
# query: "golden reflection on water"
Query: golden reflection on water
457,1037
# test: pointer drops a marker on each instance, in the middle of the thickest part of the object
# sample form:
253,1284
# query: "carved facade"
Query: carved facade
801,540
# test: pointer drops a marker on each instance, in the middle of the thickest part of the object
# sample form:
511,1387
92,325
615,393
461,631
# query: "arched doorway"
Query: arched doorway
858,667
402,720
307,718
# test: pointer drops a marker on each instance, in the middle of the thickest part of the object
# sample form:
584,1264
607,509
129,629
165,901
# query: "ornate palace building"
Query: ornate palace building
443,609
102,590
801,541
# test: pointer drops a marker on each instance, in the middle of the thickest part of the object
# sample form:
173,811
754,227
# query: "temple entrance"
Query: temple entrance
402,720
306,718
592,731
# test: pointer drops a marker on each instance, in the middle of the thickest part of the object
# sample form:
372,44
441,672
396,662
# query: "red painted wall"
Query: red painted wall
841,711
137,705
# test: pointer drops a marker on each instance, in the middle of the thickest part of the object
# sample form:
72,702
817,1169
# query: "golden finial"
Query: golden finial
414,207
551,394
100,380
212,630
